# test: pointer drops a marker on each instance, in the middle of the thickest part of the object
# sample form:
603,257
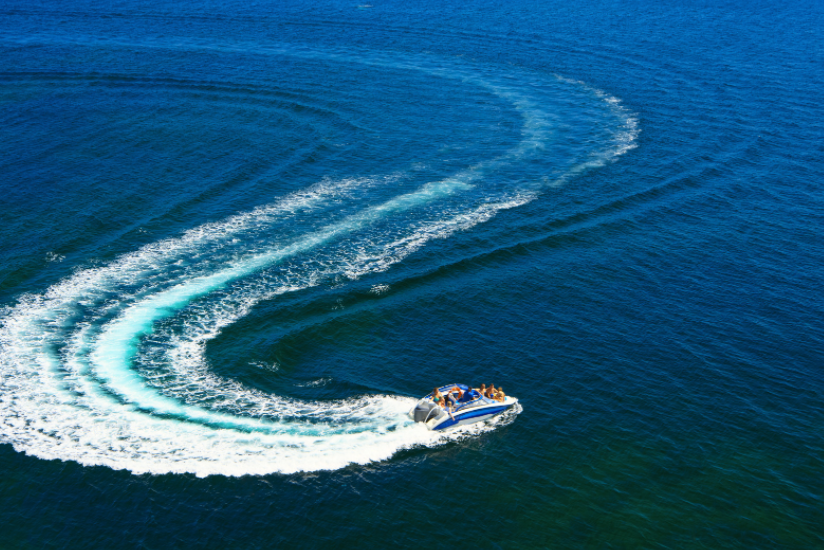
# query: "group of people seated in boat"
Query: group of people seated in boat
455,394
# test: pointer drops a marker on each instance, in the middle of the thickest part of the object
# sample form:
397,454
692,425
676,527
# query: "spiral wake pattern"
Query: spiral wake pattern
109,366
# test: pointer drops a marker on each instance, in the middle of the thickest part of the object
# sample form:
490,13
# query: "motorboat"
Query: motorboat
471,407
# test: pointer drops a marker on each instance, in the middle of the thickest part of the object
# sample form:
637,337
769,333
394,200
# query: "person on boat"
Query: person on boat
439,399
482,390
490,391
500,395
450,398
470,395
448,402
450,407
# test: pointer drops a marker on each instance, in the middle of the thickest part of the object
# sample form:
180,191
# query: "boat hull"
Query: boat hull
471,416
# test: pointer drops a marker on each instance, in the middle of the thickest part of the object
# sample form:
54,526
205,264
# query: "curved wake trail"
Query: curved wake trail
76,383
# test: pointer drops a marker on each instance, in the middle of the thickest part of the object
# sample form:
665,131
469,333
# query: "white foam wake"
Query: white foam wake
76,383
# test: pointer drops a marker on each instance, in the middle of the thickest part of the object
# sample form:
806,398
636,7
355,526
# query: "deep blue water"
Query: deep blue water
239,239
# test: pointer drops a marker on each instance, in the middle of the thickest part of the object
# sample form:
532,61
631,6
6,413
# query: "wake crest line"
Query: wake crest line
84,401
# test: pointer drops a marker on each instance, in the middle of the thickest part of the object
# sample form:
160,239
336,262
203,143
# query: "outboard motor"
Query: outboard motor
422,410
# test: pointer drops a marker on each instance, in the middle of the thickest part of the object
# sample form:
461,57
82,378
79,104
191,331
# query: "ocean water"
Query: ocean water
239,240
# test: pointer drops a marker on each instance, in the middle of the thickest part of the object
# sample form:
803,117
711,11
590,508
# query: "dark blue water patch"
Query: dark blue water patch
299,137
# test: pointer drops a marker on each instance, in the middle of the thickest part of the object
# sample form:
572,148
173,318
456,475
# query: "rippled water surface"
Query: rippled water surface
239,240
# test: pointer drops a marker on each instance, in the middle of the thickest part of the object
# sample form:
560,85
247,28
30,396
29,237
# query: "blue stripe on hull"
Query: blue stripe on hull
472,414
